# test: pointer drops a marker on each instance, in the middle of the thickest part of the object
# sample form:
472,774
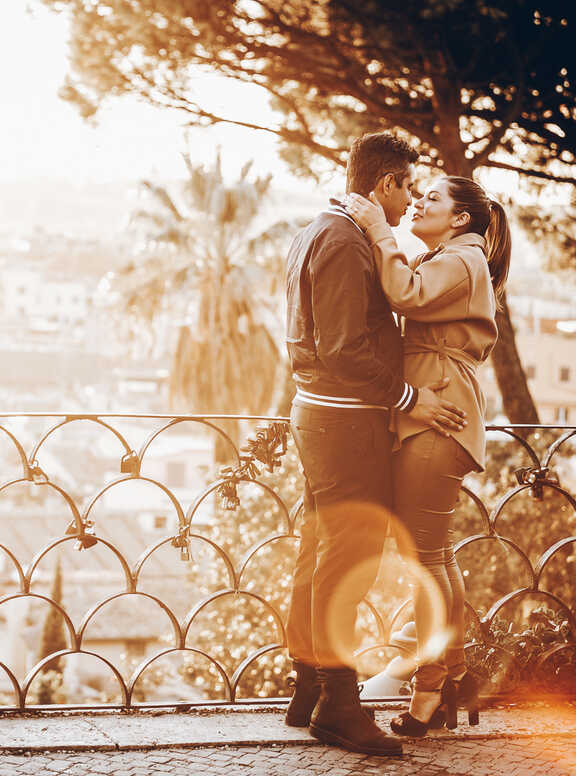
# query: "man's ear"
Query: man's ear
385,184
460,220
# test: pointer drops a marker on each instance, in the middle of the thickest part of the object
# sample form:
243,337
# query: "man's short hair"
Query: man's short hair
374,155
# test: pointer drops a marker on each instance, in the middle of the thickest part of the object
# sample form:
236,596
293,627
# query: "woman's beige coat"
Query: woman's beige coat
449,305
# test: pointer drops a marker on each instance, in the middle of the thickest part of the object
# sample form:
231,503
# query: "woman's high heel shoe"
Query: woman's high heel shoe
450,703
467,695
444,713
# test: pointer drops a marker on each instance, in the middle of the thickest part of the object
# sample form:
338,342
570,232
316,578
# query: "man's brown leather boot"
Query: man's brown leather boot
339,719
306,694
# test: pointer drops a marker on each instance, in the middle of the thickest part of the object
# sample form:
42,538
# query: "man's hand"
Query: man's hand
435,412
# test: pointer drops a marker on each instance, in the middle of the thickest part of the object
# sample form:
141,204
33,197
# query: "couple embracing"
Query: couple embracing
387,423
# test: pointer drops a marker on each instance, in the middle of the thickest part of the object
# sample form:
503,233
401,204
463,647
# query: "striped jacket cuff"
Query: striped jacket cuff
408,400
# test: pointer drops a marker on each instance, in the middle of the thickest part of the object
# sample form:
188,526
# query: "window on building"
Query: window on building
561,415
160,522
135,648
564,374
176,474
530,372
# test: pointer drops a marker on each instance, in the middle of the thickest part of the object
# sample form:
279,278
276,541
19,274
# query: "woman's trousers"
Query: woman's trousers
428,471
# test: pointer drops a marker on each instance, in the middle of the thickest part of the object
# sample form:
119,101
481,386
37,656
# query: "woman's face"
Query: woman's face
434,220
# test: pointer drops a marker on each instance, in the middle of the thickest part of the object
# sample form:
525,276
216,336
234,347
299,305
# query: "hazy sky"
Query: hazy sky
42,136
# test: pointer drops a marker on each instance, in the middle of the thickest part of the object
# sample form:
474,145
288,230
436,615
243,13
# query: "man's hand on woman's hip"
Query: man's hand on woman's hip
441,415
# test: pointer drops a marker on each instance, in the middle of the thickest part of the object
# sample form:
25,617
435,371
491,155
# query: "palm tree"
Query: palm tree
210,283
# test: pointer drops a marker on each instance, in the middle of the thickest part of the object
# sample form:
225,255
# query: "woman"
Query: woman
449,300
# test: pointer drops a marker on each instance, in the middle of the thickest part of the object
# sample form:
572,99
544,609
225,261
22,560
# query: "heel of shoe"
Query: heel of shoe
449,702
468,697
473,716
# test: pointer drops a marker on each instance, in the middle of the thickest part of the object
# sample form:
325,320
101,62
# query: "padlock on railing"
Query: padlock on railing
36,474
228,492
536,477
87,538
130,464
183,542
268,444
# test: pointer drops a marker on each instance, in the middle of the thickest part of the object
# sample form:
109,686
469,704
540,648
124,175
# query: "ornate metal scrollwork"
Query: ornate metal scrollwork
225,606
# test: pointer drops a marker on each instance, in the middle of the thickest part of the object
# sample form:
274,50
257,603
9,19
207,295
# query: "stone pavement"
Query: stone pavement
536,739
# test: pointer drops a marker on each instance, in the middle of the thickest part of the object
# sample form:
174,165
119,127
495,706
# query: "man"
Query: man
346,354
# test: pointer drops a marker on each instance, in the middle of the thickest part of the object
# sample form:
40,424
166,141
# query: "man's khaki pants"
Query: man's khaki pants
345,454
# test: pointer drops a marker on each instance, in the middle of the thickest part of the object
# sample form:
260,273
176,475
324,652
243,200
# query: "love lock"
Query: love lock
183,543
130,463
71,528
87,539
268,444
36,474
536,478
228,493
85,542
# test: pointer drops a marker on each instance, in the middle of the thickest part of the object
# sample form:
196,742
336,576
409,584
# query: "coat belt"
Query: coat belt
443,350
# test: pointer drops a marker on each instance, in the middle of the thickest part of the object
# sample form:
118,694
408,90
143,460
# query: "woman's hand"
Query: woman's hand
366,212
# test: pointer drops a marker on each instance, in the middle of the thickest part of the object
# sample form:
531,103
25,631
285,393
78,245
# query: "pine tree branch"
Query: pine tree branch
530,173
511,114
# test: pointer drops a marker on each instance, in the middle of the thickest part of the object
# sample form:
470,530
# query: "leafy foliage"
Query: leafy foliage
476,84
553,230
537,659
468,79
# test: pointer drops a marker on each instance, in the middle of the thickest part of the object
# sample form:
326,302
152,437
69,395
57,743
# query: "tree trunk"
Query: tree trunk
517,401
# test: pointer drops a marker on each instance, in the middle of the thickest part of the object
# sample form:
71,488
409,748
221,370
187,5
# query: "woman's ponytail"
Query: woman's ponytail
487,218
498,247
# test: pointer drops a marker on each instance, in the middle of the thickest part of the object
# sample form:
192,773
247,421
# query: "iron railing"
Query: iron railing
181,600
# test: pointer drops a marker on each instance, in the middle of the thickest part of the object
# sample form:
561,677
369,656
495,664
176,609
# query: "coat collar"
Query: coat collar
337,208
468,238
